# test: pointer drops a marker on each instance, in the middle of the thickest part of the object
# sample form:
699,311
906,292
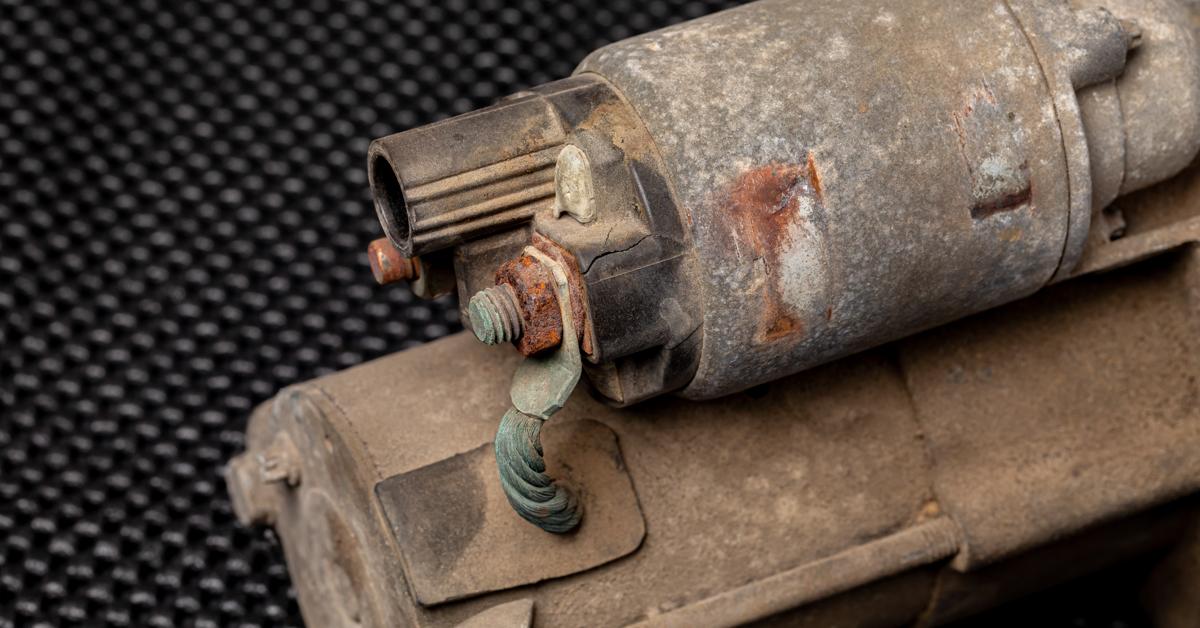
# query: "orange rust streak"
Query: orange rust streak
765,203
541,321
782,324
578,290
814,179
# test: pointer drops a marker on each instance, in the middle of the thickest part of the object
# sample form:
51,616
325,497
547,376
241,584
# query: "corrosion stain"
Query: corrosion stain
576,287
993,155
537,301
1012,234
814,179
766,203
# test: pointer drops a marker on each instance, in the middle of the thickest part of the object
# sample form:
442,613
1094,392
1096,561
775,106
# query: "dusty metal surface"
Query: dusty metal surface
453,190
920,545
946,174
736,216
1021,433
830,460
337,553
724,203
1160,134
450,517
518,614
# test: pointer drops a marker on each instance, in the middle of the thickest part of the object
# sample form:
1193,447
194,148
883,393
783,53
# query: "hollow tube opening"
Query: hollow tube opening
390,205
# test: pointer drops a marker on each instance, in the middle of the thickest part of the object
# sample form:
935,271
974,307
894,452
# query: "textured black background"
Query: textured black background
183,215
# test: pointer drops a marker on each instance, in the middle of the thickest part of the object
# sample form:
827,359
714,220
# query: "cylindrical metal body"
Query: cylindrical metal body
778,185
729,201
853,172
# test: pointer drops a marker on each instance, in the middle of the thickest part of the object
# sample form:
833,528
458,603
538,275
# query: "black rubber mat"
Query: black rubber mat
183,216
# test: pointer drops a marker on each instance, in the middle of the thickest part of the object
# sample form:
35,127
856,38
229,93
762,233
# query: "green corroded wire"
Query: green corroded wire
532,493
540,387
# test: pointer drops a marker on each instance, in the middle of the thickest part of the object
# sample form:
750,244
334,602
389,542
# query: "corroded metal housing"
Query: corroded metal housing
784,187
772,187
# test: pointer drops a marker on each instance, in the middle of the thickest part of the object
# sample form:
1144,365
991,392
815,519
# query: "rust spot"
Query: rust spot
814,179
781,324
576,286
1004,202
541,323
1012,234
767,199
765,202
388,265
829,313
778,322
931,509
537,300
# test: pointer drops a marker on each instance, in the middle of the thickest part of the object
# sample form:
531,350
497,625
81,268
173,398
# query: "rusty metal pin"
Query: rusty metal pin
388,265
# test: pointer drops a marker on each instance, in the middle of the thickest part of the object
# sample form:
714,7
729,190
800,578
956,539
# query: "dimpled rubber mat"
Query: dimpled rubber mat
183,216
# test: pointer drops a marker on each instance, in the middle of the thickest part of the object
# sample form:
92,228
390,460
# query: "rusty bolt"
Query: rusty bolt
388,265
495,315
522,308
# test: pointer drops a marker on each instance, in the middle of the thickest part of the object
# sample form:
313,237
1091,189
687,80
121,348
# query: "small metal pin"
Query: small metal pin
388,265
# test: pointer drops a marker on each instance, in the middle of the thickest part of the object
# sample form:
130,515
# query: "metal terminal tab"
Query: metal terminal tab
540,387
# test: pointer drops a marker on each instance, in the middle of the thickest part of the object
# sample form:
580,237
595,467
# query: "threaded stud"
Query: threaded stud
495,315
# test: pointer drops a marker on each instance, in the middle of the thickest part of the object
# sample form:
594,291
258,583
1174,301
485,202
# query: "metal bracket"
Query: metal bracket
542,384
540,388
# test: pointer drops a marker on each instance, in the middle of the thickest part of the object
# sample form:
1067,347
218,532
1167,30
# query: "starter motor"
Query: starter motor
722,203
886,312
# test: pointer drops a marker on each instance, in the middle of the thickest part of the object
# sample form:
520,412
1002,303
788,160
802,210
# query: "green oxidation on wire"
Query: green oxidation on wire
532,493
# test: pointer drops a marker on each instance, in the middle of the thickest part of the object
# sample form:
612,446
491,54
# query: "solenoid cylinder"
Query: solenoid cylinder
854,172
769,188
